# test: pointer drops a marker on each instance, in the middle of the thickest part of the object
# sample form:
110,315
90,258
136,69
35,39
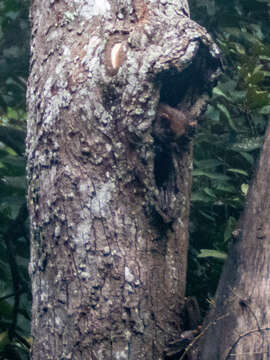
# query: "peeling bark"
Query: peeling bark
109,178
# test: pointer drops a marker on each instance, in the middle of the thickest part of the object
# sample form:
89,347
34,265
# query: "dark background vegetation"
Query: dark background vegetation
227,145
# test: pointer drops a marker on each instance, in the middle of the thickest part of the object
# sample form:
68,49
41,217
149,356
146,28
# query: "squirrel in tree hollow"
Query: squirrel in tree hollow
172,123
171,127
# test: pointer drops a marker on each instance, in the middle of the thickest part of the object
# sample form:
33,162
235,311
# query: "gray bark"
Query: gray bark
238,324
109,172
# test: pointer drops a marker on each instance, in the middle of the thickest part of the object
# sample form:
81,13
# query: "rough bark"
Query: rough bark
109,172
238,325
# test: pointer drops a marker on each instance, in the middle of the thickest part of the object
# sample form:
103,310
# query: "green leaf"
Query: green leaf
18,182
207,216
14,165
227,115
257,98
238,171
210,175
244,189
248,144
240,49
225,188
205,253
198,196
207,164
218,92
212,113
248,157
209,192
265,110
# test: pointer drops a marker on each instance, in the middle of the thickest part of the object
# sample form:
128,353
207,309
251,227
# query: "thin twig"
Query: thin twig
195,340
241,337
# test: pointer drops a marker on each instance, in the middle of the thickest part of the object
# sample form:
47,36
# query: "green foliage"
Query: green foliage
14,50
206,253
15,297
231,134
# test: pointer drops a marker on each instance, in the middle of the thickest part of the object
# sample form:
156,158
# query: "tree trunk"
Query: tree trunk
238,325
114,93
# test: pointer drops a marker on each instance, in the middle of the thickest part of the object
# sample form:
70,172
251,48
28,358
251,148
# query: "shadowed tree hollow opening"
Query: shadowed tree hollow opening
180,91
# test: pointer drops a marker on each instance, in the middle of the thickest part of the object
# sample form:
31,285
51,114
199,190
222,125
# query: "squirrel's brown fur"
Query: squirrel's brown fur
172,122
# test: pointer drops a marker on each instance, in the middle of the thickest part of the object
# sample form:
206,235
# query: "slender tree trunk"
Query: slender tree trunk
238,325
114,92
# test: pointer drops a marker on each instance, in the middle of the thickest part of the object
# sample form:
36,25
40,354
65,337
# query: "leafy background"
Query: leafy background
226,147
228,141
15,295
